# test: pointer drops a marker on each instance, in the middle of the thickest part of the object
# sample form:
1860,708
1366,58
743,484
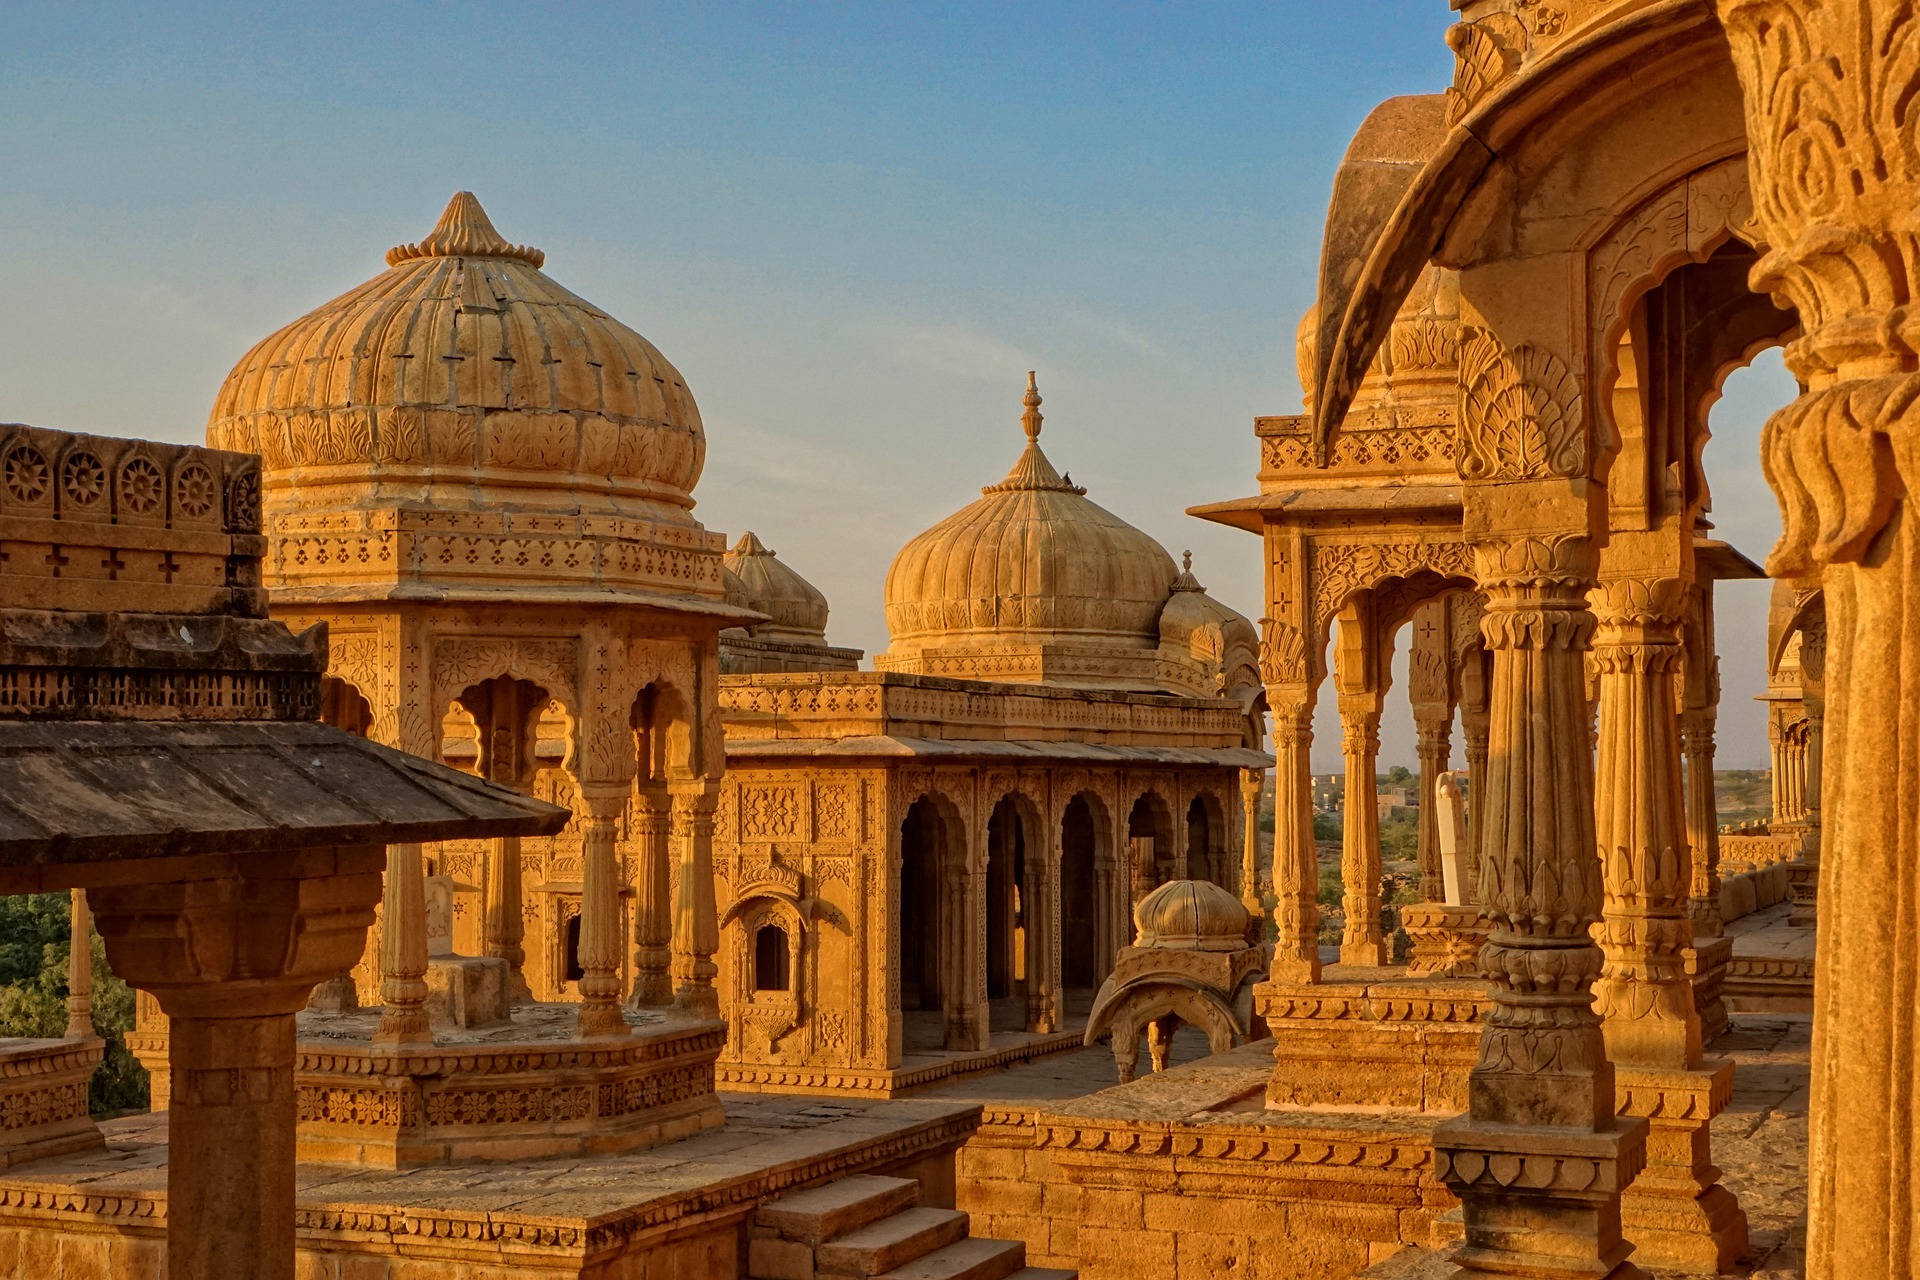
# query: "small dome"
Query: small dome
1220,642
1191,915
766,585
463,378
1032,561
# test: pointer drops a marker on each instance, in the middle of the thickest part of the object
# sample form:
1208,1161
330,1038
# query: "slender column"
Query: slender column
968,1026
1434,744
80,968
1252,783
1040,904
1540,1159
403,950
1296,862
600,912
696,924
652,823
1676,1212
1474,724
1703,823
1805,885
1361,942
502,924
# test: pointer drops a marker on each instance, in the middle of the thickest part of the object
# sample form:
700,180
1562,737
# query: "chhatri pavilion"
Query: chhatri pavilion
928,868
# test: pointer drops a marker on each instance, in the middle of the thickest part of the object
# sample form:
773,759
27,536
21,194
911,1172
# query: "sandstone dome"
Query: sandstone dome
759,580
1191,915
1033,581
464,378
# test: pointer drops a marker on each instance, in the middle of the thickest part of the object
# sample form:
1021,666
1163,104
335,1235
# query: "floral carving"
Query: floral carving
142,489
195,491
1485,54
83,480
28,478
1520,412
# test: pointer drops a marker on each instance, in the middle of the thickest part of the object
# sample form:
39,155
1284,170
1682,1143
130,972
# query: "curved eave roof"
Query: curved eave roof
106,792
1389,216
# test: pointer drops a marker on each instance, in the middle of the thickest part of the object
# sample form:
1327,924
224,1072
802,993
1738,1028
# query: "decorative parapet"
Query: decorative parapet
103,524
392,552
870,704
1369,443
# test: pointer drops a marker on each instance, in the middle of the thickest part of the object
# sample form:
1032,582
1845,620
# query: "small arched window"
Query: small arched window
771,964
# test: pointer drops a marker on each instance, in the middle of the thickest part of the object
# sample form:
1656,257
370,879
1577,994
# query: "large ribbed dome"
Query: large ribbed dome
1033,561
463,378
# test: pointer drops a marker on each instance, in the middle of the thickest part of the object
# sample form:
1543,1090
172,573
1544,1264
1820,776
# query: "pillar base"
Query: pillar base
1803,887
1446,939
468,992
1676,1211
43,1097
1706,964
1371,955
522,1091
1538,1201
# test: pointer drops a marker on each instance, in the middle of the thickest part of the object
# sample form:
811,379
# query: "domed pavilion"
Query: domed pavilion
929,867
482,484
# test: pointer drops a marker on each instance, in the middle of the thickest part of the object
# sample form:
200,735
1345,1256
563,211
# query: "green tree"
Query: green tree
34,935
1399,776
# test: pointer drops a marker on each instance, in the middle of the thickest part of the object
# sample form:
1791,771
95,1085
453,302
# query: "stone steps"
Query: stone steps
886,1244
864,1227
968,1259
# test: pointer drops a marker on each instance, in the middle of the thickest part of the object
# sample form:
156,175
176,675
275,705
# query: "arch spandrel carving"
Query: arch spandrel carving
460,662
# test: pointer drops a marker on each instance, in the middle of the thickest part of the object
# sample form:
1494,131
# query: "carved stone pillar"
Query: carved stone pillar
965,974
1475,727
600,912
1540,1159
696,923
80,968
1835,181
1703,824
1040,904
1296,862
1805,886
1676,1212
1434,743
1361,941
231,961
1252,783
502,923
403,949
651,824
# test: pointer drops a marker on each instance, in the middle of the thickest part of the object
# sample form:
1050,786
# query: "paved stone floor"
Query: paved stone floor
1759,1141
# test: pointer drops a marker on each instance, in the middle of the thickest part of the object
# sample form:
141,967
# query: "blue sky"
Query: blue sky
852,227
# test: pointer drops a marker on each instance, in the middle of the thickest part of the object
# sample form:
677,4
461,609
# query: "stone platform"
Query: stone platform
680,1210
519,1091
1772,966
1373,1037
43,1096
920,1066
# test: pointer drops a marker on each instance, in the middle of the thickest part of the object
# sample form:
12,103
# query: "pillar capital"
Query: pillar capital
243,946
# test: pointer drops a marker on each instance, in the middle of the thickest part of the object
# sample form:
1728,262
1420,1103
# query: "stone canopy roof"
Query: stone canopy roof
104,791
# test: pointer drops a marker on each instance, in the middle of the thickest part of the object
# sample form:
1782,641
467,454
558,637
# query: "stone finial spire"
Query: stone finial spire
1030,420
1186,581
1032,470
464,231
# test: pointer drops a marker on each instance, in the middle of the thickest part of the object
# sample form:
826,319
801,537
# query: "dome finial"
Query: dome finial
464,231
1030,420
1186,562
